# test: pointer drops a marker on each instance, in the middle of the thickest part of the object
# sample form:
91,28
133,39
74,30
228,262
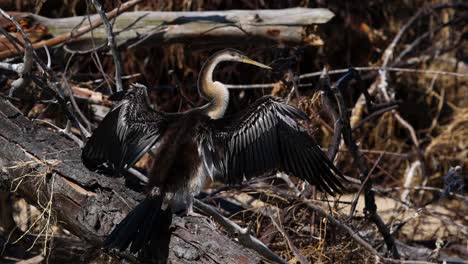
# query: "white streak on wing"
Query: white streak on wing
204,168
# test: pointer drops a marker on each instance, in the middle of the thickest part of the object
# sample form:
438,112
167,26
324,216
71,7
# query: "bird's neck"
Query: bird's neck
215,92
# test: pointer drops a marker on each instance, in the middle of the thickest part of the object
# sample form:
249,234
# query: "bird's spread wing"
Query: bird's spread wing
128,131
267,137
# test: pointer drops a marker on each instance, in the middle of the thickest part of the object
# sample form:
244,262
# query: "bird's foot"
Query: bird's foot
194,214
190,212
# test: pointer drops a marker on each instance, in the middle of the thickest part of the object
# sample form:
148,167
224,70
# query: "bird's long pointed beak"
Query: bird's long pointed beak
258,64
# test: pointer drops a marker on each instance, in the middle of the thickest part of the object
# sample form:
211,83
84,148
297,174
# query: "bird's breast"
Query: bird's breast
178,163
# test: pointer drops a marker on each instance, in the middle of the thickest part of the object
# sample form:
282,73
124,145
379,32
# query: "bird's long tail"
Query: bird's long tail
145,227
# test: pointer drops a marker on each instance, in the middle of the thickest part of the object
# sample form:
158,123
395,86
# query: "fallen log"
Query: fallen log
45,168
156,28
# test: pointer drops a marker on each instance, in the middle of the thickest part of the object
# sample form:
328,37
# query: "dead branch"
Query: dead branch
341,71
23,69
361,188
91,96
71,33
66,100
242,234
112,45
65,131
370,208
51,82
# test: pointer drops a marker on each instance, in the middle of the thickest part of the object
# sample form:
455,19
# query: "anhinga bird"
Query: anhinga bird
190,146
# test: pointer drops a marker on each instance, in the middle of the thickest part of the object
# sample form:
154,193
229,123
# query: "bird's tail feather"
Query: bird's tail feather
145,227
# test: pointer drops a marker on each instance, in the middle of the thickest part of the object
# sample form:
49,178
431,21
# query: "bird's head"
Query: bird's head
216,92
235,55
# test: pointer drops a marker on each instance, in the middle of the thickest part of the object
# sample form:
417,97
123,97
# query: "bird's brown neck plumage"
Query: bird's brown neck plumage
215,92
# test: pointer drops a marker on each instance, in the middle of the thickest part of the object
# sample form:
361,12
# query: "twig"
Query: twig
23,69
49,60
138,175
112,45
15,43
91,96
293,81
423,188
441,100
276,221
65,131
419,39
388,53
178,86
72,100
61,98
288,181
374,115
16,67
342,226
93,51
358,194
242,234
393,154
340,71
355,236
392,69
125,77
415,140
409,127
410,173
395,228
34,260
328,106
423,209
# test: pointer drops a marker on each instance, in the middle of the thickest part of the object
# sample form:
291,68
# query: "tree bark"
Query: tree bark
44,166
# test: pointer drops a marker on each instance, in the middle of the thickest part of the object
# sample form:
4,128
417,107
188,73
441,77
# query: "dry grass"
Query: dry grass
35,221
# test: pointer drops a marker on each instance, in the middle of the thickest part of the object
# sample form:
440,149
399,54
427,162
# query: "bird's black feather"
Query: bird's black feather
137,230
127,132
267,137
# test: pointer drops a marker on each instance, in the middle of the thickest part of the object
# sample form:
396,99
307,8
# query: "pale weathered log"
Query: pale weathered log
156,28
43,164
